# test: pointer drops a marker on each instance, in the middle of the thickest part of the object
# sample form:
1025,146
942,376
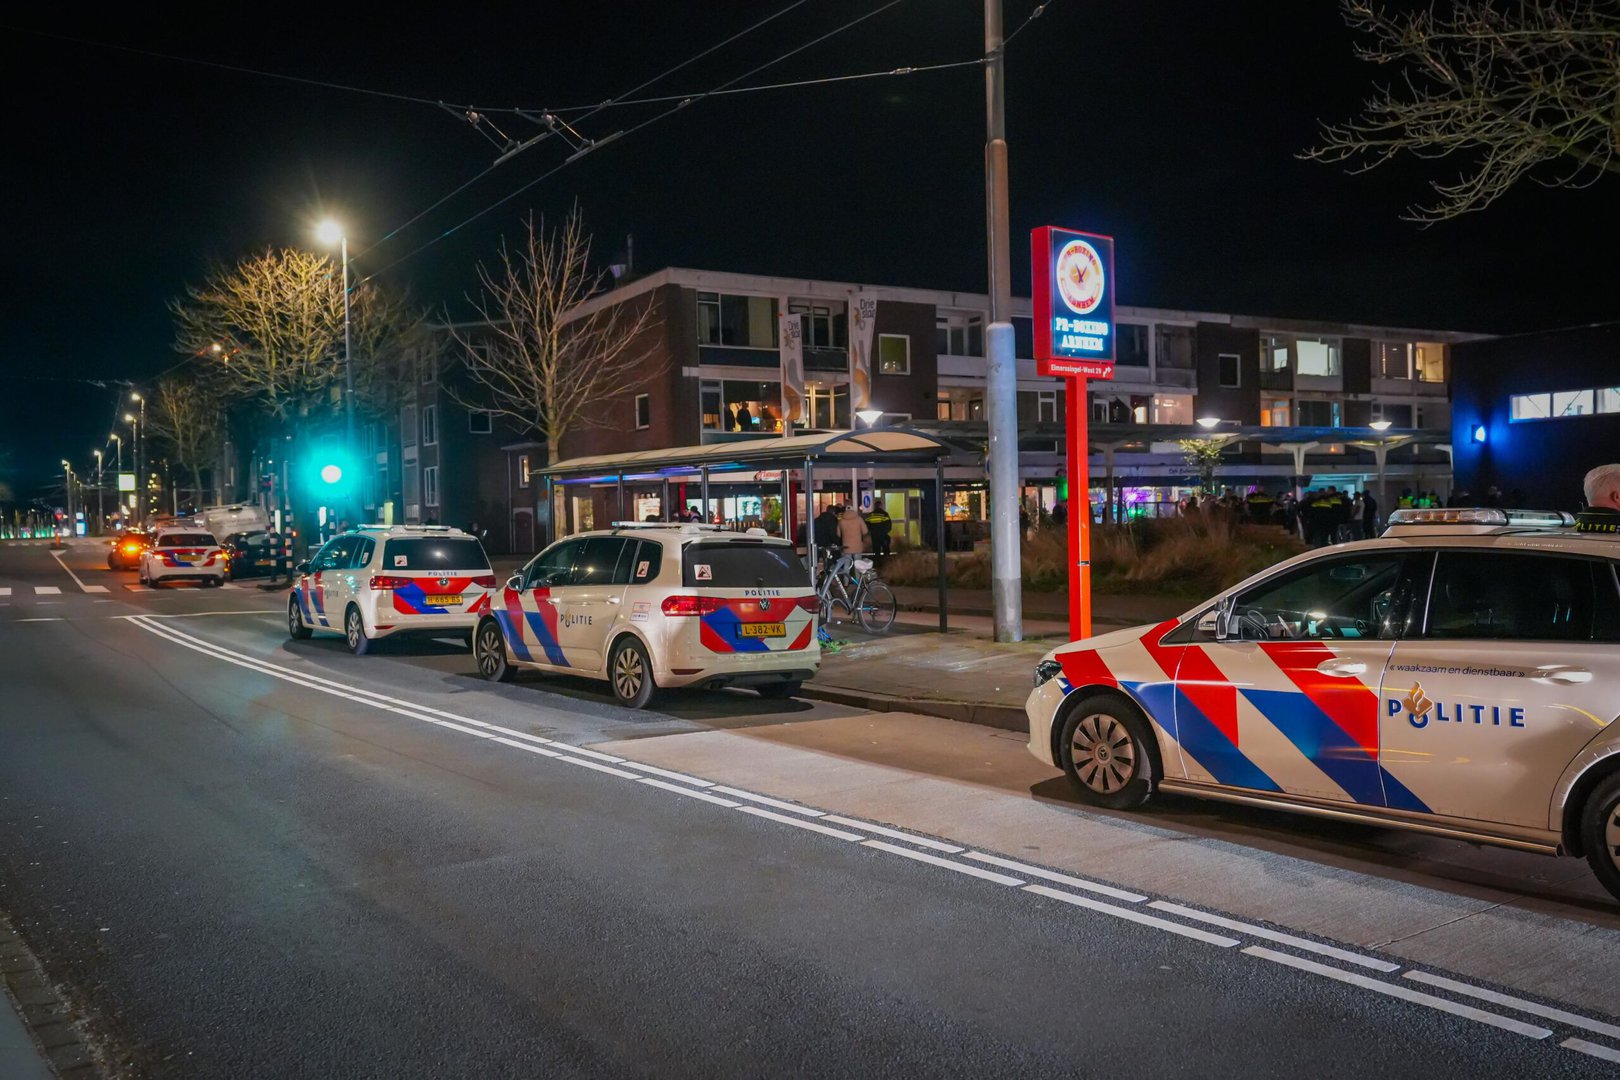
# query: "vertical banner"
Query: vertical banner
862,334
791,332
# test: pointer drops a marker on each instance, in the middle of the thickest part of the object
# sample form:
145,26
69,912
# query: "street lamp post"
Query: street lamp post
101,503
140,456
67,488
331,232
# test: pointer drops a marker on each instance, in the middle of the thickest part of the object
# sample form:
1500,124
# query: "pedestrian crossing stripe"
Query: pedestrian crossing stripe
47,590
5,590
95,588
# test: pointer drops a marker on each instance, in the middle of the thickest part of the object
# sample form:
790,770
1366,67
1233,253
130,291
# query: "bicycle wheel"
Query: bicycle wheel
877,608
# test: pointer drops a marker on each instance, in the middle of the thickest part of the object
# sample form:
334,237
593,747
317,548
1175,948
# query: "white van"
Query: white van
234,518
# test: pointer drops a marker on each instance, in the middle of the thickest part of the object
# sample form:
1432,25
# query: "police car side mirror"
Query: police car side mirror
1224,623
303,567
515,582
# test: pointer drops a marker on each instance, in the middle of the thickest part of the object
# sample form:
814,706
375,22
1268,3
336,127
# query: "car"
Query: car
649,606
126,550
1458,676
183,554
249,554
380,581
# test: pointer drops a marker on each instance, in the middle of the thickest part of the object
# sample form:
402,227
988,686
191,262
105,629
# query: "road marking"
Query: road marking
931,860
95,588
800,823
1506,1023
5,590
691,793
47,590
595,754
1303,944
193,614
1134,915
896,834
53,618
1051,875
1607,1053
57,555
610,770
682,777
1546,1012
792,808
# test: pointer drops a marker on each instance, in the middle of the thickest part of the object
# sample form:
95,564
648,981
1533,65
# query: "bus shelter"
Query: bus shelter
794,460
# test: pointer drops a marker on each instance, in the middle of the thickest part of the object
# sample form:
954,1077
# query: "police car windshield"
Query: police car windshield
186,540
434,553
741,565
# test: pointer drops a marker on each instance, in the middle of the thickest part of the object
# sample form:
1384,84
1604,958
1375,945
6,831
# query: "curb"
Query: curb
48,1019
1004,717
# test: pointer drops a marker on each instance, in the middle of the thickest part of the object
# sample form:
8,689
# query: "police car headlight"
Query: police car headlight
1046,671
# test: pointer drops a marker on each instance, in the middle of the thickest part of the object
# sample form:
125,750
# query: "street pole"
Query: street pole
101,503
67,488
1001,369
352,452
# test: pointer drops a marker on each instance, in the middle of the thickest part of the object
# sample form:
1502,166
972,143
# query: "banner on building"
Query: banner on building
862,334
1073,275
792,348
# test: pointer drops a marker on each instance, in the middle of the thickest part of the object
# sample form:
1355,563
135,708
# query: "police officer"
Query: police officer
879,525
1602,489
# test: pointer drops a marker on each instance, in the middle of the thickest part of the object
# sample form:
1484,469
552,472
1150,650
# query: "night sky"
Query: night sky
1172,126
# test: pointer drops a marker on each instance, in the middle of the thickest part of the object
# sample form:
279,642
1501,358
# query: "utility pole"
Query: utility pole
1001,368
101,505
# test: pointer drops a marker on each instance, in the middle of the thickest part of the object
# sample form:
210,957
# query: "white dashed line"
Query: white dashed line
1546,1012
54,618
792,808
682,777
5,590
1506,1023
610,770
47,590
1303,944
1134,915
95,588
1605,1053
1050,875
931,860
801,823
895,834
689,792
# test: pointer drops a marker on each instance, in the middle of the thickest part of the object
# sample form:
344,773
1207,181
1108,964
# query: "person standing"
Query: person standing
853,534
826,528
879,525
1369,515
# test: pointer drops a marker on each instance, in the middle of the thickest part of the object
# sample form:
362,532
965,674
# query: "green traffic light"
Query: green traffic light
331,473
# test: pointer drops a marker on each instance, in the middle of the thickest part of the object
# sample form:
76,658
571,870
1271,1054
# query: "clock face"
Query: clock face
1080,277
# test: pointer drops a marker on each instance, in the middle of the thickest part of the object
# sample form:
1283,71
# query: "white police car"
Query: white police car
1460,676
379,581
649,606
183,554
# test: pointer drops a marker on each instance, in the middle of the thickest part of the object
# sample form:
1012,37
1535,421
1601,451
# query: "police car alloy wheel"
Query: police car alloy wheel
1600,833
489,652
354,632
1104,750
295,622
630,674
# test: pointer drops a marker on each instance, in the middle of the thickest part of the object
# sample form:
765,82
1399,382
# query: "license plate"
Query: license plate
445,600
762,629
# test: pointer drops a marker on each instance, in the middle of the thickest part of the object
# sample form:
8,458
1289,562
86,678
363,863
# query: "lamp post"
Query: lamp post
67,488
140,455
101,504
330,232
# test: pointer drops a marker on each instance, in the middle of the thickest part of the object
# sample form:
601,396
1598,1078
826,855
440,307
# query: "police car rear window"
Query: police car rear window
186,540
743,566
433,553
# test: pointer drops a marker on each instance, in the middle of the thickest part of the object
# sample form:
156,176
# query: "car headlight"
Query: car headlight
1046,671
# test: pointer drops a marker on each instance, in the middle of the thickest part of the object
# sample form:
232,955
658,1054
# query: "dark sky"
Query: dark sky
1172,125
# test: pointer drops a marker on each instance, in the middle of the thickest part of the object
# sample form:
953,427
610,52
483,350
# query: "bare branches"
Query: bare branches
538,360
1518,90
187,419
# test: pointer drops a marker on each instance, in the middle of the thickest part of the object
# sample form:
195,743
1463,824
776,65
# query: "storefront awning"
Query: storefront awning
867,448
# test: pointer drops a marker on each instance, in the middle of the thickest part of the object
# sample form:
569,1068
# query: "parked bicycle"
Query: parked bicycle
852,585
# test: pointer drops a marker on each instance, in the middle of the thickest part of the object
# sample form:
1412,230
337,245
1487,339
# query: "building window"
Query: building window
1231,369
745,321
1563,404
1275,412
430,485
1393,360
742,407
407,425
1274,354
1317,356
1132,349
827,404
427,364
894,354
430,425
523,470
825,325
1429,360
480,422
960,403
1046,407
959,333
1172,409
1175,347
1319,413
643,411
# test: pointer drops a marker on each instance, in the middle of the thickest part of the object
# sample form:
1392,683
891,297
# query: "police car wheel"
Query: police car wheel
295,622
630,674
354,632
1600,833
1104,750
489,652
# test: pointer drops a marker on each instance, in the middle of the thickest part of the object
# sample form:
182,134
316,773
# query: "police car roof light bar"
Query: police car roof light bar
1481,515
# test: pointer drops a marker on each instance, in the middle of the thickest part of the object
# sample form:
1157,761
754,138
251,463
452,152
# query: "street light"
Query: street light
1381,425
101,504
67,488
869,417
140,455
1209,422
330,232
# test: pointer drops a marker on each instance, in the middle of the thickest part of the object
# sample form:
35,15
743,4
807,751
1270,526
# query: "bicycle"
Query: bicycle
853,585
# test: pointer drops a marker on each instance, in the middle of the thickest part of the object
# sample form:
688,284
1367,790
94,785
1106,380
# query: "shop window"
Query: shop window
746,321
1231,369
894,354
643,411
741,407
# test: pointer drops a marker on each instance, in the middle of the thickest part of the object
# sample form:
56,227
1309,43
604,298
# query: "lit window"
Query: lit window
1608,399
1572,403
1317,357
1275,412
1430,362
1530,406
523,470
894,354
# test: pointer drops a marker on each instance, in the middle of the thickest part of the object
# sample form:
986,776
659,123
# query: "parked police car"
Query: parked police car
1459,675
183,553
646,606
380,580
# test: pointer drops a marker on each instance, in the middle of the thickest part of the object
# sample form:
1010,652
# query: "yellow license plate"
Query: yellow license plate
443,601
762,629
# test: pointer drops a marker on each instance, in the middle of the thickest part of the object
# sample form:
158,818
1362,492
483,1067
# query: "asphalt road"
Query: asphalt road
247,856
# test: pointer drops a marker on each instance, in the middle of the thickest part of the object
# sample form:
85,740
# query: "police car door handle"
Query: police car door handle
1342,668
1569,676
615,600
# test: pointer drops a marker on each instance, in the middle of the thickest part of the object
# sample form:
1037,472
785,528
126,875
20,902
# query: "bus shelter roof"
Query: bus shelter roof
867,448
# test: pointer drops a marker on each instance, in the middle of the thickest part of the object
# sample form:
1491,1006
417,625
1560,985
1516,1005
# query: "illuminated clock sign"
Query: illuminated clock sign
1073,274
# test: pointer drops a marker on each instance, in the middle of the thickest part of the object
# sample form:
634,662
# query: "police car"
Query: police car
647,606
378,581
183,554
1459,676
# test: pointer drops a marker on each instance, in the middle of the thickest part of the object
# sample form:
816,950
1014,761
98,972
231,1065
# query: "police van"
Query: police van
1459,676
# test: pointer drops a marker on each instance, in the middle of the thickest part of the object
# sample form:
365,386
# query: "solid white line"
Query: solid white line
57,555
792,808
1063,879
504,741
692,793
1607,1053
932,860
1546,1012
53,618
610,770
800,823
1135,916
896,834
95,588
1506,1023
191,614
1304,944
682,777
47,590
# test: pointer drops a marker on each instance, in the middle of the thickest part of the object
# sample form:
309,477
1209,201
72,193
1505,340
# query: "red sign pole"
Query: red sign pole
1075,417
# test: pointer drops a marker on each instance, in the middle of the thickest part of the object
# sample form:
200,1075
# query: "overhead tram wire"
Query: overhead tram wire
682,104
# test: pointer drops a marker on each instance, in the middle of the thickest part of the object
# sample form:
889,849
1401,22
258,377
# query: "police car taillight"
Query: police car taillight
384,581
484,581
691,605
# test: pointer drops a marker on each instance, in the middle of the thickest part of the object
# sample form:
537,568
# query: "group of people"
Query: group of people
1320,516
846,529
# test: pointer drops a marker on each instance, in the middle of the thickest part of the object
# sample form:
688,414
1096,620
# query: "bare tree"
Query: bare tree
542,361
186,418
1516,89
